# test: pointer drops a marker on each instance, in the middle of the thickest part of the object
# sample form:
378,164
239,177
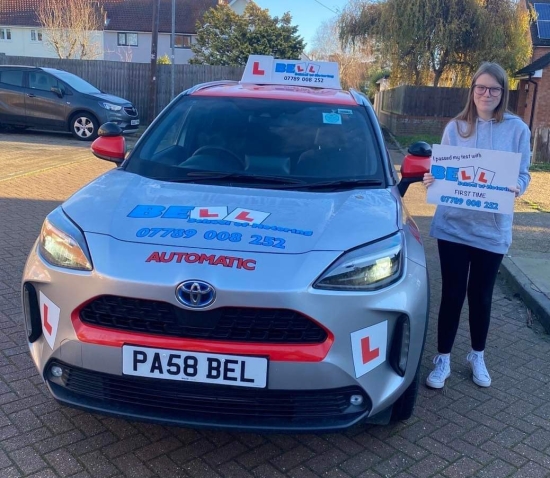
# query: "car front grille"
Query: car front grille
130,111
241,324
178,402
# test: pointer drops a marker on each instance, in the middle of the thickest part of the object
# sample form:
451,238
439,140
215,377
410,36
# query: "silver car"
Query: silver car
248,265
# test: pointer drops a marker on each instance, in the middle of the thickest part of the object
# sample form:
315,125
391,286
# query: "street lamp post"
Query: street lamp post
153,73
173,48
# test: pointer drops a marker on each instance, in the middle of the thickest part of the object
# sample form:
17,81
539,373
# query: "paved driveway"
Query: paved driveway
462,431
25,152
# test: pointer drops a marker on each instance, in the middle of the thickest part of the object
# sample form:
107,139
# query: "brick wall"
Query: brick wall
542,105
541,116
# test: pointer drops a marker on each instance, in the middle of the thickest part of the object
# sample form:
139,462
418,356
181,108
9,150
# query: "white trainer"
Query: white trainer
480,375
441,372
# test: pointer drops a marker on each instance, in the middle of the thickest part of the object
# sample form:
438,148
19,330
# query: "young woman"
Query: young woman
472,243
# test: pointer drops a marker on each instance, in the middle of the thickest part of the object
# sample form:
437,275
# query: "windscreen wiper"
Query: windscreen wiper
194,176
336,184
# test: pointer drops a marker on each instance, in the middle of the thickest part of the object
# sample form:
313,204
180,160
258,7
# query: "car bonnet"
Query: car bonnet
110,98
136,209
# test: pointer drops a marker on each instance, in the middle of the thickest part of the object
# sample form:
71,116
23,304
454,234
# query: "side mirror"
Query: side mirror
109,130
57,91
111,145
415,165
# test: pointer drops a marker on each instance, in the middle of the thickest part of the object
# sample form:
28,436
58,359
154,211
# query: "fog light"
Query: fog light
56,371
356,400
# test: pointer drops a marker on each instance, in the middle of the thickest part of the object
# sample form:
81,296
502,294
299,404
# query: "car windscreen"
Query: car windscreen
74,82
270,140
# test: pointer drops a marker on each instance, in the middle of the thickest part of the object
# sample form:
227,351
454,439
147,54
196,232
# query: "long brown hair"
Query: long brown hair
469,113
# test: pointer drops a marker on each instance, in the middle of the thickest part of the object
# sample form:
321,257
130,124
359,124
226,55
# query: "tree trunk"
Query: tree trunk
437,77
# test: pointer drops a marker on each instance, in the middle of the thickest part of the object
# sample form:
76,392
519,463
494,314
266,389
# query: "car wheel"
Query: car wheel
404,406
84,127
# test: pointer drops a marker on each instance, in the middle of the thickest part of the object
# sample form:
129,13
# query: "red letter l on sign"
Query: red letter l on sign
47,325
366,352
256,69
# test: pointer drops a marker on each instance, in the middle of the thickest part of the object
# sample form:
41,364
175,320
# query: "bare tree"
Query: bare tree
72,28
354,60
125,53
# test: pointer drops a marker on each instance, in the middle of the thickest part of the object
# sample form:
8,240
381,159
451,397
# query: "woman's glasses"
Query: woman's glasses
493,91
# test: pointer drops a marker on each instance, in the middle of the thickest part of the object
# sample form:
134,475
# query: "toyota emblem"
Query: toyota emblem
195,294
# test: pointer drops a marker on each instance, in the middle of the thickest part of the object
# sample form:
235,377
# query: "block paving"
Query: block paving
461,431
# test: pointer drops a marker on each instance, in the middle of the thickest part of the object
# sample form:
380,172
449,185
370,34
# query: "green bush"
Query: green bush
406,141
164,60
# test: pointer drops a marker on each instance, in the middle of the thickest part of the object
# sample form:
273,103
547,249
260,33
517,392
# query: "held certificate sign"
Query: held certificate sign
475,179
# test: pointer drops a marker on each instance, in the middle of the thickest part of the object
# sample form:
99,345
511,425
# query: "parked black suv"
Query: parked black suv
51,99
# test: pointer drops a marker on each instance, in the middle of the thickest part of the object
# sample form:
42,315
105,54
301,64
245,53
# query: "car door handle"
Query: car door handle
30,95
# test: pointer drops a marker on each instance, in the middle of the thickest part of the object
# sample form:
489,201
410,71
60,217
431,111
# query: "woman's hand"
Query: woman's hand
428,180
514,189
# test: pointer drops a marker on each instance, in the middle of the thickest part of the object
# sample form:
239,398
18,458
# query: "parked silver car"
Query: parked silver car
250,265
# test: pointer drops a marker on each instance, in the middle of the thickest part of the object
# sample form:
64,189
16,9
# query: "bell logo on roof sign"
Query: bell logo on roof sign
298,69
310,68
321,74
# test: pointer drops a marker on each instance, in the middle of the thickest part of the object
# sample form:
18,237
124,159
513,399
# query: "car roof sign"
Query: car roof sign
266,70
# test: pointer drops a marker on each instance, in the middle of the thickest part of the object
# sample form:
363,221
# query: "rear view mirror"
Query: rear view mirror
415,165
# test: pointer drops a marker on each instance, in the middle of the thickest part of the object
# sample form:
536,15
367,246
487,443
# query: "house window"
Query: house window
5,33
127,39
36,35
183,41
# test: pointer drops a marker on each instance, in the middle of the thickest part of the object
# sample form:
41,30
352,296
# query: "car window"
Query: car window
42,81
309,141
76,82
12,77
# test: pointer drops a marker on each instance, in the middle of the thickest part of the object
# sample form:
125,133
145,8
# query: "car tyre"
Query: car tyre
84,126
404,406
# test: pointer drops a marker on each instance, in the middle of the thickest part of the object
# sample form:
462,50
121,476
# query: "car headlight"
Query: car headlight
368,268
110,106
62,244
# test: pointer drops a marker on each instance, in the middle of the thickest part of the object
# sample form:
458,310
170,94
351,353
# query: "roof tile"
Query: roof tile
123,15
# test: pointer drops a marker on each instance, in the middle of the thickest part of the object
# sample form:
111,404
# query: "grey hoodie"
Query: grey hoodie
484,230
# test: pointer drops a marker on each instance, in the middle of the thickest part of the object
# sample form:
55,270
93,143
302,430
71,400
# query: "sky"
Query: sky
307,14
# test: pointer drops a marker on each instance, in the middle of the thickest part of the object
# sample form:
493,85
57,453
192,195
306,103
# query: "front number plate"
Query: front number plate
194,366
134,122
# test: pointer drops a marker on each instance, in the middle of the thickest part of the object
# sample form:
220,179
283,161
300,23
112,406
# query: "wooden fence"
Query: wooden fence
424,101
131,80
430,101
407,110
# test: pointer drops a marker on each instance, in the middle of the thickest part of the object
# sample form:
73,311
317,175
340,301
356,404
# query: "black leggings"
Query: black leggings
465,268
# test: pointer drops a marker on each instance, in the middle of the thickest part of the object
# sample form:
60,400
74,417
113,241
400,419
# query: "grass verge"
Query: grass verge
406,141
544,167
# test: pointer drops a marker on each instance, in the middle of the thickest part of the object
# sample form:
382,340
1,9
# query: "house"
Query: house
126,32
128,25
534,85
